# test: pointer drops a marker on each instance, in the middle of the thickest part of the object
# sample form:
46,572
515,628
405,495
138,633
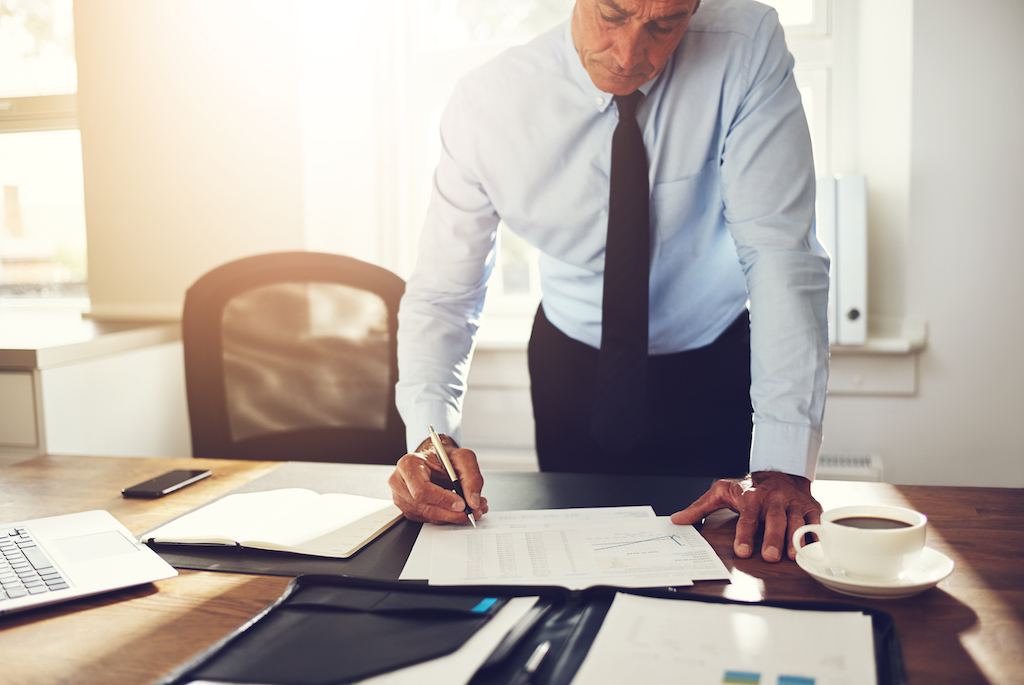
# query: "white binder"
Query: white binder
850,278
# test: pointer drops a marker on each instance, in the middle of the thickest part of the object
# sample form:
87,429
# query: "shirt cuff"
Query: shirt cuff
442,416
787,447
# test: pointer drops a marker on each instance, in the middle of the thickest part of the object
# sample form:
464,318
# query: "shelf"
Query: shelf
889,336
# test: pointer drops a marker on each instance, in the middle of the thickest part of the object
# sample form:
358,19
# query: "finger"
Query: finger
480,510
747,524
811,514
775,521
468,471
418,510
795,519
721,495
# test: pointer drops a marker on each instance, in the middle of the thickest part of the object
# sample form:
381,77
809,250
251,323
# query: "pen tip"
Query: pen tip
472,520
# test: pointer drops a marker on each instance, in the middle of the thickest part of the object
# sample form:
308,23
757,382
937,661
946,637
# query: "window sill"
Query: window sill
506,332
43,337
888,336
886,365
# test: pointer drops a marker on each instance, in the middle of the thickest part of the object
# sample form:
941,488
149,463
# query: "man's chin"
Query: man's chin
622,90
619,85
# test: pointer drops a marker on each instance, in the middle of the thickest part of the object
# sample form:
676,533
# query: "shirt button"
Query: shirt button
600,101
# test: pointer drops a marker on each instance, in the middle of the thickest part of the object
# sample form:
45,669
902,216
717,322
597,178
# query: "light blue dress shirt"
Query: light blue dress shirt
527,138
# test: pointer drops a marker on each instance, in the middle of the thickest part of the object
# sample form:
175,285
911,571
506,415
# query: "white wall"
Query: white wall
962,272
189,113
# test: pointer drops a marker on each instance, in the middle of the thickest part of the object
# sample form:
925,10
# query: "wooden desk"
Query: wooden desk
968,630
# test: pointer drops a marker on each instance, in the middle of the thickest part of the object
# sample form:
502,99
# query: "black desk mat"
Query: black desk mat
385,557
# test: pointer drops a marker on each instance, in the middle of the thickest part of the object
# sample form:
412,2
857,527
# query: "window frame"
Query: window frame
33,113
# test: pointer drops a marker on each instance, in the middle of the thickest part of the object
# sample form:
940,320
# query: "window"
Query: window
42,210
392,129
448,38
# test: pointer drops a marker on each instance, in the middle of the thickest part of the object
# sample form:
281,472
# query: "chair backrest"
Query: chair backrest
292,356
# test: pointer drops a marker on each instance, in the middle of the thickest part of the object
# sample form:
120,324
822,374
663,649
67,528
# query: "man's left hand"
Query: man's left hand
780,501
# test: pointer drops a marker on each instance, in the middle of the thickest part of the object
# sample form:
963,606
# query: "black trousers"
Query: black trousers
699,413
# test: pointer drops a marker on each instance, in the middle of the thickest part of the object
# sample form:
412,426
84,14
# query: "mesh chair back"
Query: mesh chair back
292,356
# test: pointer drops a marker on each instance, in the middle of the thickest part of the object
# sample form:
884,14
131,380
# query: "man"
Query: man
529,138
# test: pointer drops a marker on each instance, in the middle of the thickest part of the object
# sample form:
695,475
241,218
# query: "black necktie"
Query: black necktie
619,417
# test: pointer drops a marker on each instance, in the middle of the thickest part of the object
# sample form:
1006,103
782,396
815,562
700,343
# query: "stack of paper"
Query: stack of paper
574,548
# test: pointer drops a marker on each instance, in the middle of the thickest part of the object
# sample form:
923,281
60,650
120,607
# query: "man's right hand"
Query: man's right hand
419,485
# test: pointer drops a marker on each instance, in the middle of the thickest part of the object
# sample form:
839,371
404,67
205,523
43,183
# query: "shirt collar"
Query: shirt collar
598,98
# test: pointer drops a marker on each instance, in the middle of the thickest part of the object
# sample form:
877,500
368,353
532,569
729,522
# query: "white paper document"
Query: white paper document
574,552
417,567
671,641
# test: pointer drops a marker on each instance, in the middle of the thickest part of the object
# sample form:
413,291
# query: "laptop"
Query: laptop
55,559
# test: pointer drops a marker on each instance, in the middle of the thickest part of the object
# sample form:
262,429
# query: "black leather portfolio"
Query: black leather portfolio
335,629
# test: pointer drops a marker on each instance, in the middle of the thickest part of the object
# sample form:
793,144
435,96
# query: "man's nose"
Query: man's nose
630,47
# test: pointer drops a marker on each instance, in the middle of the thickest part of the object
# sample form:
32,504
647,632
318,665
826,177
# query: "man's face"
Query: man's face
623,44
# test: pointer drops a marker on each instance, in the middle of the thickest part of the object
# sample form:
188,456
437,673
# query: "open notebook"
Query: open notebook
55,559
293,520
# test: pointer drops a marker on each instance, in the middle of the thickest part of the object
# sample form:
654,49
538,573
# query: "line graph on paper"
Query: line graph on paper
636,544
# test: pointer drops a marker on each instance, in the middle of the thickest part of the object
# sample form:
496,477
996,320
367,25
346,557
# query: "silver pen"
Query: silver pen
532,664
447,463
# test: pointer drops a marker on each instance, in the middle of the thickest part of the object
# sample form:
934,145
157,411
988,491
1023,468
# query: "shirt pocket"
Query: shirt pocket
688,205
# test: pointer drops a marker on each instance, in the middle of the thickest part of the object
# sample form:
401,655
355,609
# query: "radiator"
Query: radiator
850,466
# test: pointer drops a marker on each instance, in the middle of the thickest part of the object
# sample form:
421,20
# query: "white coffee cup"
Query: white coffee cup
868,541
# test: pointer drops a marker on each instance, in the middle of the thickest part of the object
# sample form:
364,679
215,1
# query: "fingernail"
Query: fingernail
474,499
456,506
772,553
743,550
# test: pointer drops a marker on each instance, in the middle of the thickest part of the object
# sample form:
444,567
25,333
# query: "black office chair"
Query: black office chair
291,356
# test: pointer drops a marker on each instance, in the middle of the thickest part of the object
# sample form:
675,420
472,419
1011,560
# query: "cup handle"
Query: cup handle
801,550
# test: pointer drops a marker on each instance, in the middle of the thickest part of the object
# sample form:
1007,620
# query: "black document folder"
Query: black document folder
335,629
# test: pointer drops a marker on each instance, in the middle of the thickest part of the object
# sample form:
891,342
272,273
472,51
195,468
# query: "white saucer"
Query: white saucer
930,568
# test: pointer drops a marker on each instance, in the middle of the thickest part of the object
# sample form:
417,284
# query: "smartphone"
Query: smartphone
162,485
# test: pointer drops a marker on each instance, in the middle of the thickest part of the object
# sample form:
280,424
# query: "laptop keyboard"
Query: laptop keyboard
24,568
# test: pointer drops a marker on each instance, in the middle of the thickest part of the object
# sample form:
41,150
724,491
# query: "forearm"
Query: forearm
789,361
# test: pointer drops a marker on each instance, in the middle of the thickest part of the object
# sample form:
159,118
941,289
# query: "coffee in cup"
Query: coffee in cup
871,542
